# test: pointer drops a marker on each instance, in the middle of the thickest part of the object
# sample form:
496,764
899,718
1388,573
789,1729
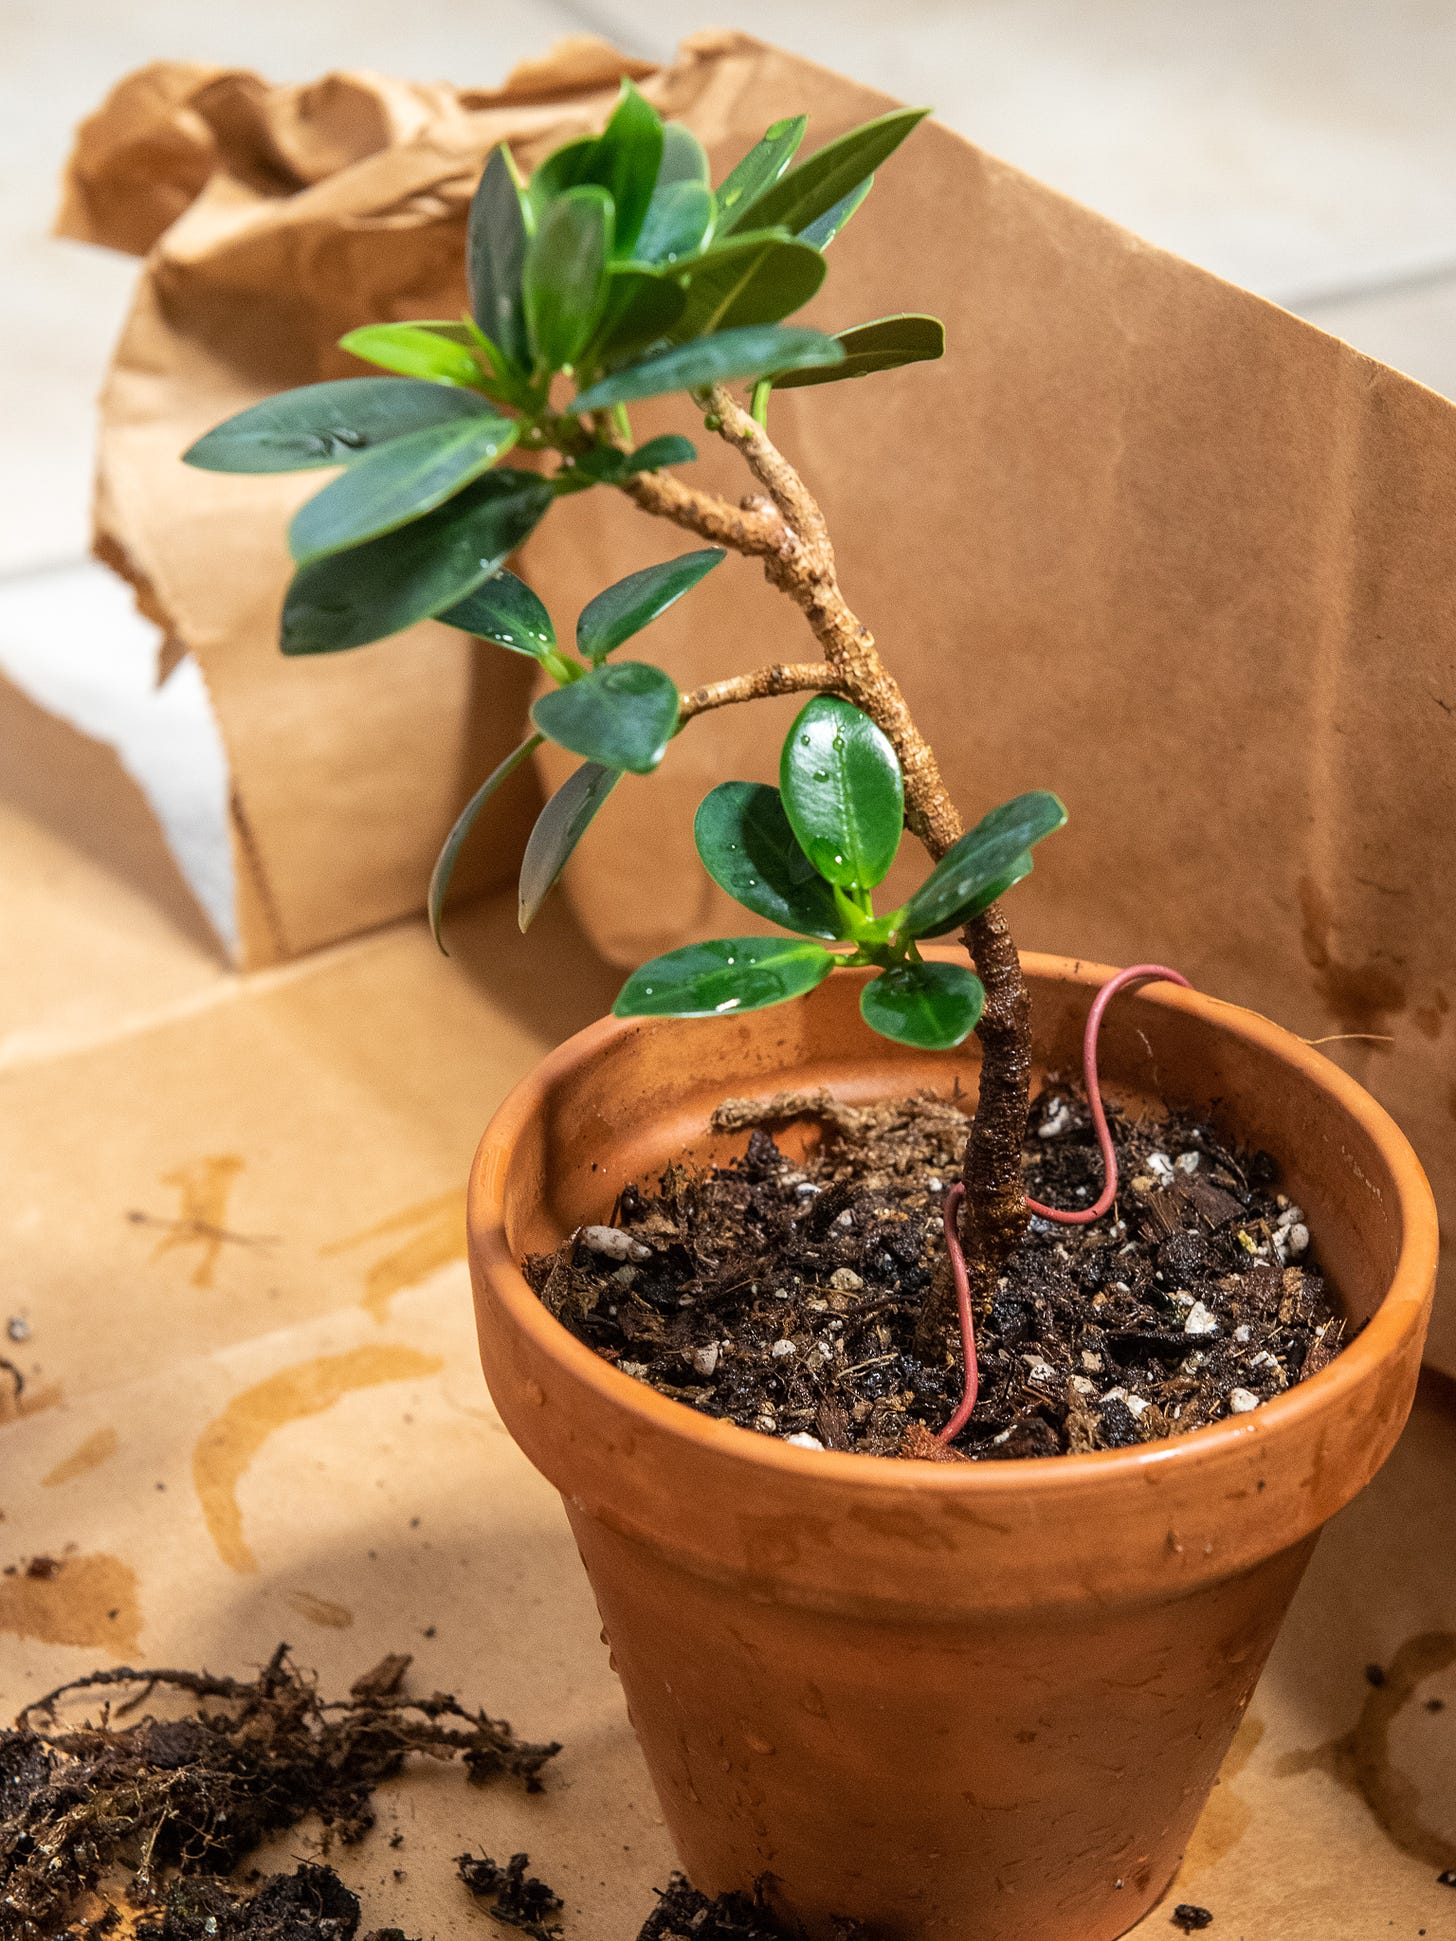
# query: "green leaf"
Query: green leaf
605,465
631,604
566,274
386,585
622,716
753,279
983,858
329,424
559,828
842,792
712,360
748,848
822,231
640,308
506,611
670,449
760,168
396,483
684,159
715,979
679,222
495,257
567,167
882,345
414,350
812,189
449,854
931,1006
624,160
1016,872
629,157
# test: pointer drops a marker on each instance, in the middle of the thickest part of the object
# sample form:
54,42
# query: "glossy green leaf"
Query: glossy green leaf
567,167
684,159
747,280
559,828
396,483
822,231
414,350
329,424
882,345
679,223
983,857
629,159
506,611
622,715
566,274
379,588
606,465
629,605
449,854
624,160
1016,872
748,848
713,980
931,1006
670,449
813,188
712,360
842,792
641,307
495,256
760,168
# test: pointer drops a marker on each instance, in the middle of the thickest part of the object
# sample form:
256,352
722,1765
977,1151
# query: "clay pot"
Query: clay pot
957,1703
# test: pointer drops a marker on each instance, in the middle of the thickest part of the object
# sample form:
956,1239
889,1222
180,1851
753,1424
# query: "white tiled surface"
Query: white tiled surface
1307,151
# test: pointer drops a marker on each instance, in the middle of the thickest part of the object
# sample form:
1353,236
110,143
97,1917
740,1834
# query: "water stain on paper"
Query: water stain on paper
88,1600
321,1610
1362,996
1228,1815
30,1399
227,1446
435,1231
94,1451
202,1187
1361,1761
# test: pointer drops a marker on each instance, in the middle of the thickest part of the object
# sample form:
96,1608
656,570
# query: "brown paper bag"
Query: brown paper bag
1141,538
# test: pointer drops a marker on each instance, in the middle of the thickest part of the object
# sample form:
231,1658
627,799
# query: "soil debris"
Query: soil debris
683,1914
310,1904
519,1900
1189,1919
787,1295
191,1794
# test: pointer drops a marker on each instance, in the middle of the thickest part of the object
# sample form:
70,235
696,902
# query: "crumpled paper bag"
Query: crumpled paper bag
1141,537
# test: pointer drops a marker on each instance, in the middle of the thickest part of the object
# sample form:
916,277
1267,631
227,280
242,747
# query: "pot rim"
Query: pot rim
1401,1311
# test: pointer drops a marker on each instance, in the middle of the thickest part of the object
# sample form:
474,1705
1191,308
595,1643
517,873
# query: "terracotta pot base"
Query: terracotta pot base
957,1703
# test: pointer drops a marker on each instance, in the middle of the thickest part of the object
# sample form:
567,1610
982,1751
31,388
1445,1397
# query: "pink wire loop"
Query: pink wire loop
1137,974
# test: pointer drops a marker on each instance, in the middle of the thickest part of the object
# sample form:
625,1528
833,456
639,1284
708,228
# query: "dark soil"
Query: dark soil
683,1914
310,1904
157,1798
516,1899
785,1295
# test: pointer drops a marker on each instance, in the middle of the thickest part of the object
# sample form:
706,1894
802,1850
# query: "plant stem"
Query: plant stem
787,531
783,677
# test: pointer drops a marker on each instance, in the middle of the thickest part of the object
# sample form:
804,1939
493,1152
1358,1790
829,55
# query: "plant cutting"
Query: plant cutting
887,1276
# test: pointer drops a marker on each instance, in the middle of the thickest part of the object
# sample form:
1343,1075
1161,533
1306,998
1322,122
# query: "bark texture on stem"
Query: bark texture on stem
785,528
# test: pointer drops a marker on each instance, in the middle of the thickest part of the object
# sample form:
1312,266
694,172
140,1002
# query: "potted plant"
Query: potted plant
968,1696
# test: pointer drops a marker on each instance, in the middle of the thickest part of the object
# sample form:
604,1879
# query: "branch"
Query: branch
754,528
783,677
773,472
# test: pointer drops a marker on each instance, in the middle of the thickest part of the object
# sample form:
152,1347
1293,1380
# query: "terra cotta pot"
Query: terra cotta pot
962,1702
